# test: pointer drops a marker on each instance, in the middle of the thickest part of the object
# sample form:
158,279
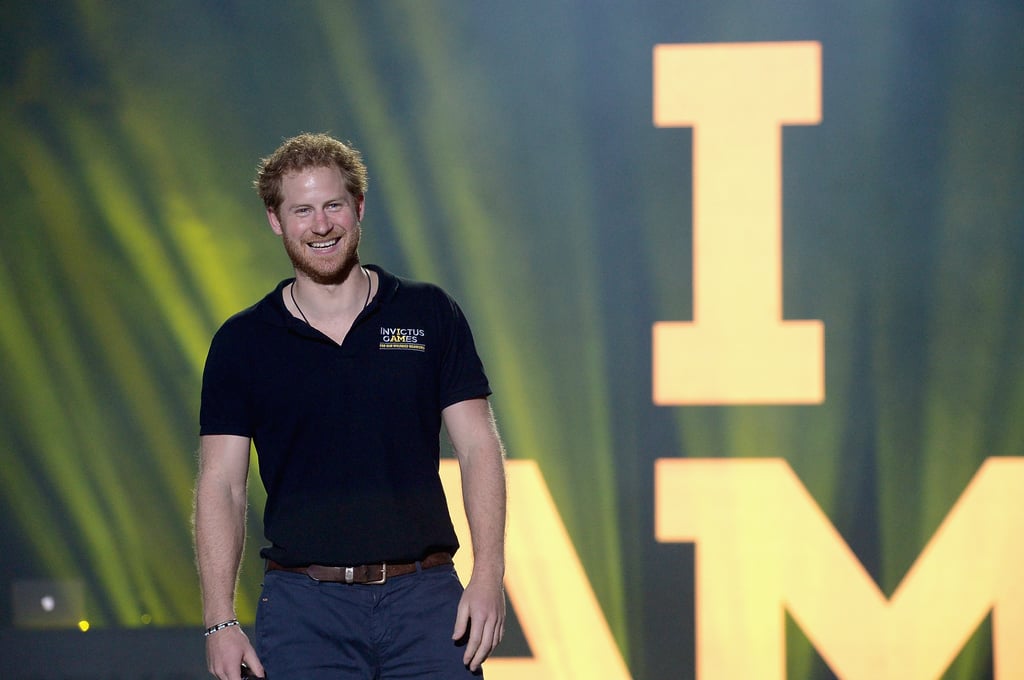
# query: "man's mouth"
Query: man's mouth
321,245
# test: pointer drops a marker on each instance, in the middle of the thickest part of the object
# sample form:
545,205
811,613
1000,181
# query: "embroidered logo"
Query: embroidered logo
402,338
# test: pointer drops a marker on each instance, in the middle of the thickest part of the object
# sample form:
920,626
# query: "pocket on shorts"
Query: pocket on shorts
264,610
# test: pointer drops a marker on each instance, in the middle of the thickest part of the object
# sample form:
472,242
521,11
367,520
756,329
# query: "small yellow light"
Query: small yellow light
146,619
83,625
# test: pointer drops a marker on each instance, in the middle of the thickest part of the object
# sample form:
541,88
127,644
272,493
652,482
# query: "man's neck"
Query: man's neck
333,300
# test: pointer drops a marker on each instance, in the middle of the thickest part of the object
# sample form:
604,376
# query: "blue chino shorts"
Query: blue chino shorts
315,630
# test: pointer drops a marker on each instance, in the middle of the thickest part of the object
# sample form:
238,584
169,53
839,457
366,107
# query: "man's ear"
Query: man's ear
360,207
275,223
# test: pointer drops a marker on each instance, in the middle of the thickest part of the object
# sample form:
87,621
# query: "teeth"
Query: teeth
323,244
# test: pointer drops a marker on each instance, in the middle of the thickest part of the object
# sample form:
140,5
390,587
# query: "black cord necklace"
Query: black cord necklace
366,303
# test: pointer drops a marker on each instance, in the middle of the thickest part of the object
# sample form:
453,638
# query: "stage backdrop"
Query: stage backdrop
747,279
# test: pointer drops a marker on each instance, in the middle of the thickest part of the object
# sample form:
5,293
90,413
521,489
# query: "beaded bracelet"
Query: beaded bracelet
220,626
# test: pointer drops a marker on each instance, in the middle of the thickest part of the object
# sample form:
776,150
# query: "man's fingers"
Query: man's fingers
482,645
499,633
461,621
480,622
252,663
472,645
228,652
485,650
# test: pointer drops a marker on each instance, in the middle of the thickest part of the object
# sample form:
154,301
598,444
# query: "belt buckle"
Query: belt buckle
350,575
383,576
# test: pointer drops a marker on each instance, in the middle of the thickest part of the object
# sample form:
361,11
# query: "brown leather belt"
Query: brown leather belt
364,573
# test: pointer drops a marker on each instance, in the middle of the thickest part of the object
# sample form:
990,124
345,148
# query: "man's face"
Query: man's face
318,221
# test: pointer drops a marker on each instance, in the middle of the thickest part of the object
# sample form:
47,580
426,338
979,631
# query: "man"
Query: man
342,378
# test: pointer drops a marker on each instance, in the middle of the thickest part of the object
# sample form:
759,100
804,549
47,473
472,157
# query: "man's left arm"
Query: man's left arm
474,436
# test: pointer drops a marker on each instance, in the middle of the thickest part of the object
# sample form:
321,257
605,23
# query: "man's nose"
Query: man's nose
321,225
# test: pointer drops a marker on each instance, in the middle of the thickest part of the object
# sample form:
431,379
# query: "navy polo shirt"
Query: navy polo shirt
347,435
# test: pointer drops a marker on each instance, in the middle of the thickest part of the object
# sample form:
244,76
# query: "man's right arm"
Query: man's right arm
220,505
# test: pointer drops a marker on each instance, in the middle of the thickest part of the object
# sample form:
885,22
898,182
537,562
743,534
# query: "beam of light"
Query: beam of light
481,252
120,510
30,502
976,282
381,141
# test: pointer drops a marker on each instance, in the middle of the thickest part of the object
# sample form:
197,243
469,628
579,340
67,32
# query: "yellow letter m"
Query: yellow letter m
764,546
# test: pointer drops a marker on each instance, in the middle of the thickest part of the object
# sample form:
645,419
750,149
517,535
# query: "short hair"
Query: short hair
304,151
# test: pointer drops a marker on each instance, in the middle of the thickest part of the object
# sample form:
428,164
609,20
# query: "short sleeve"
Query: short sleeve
462,371
225,405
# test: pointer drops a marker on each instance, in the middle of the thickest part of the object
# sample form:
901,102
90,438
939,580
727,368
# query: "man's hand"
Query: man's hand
227,650
482,613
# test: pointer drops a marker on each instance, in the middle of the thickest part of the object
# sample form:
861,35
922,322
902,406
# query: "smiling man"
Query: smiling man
345,414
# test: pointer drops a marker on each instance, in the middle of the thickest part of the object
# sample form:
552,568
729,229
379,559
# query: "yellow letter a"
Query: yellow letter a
546,584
